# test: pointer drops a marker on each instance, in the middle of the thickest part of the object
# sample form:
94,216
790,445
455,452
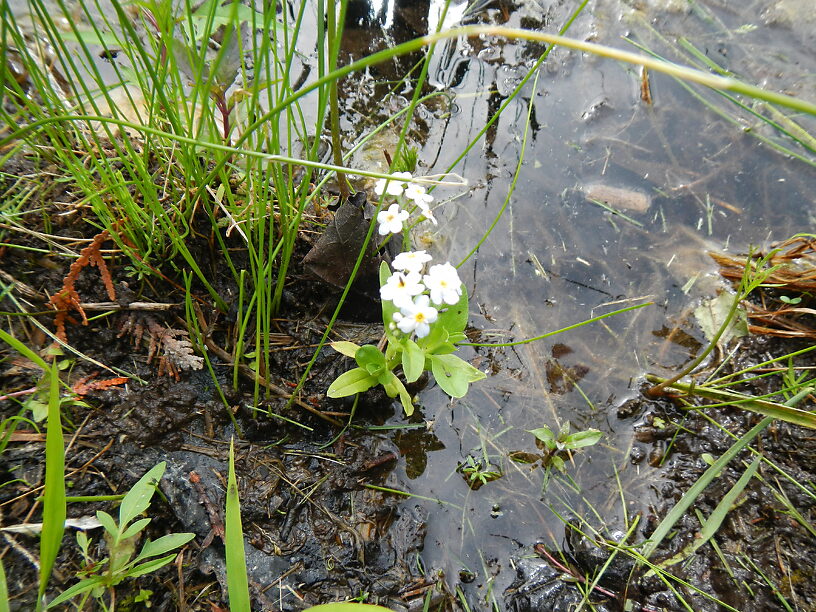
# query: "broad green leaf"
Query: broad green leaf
370,358
54,507
237,584
135,528
83,586
544,434
581,439
437,337
351,382
345,348
453,374
390,383
164,544
405,397
107,522
138,498
454,318
457,337
413,360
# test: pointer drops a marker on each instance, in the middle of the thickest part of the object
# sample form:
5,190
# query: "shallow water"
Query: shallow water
555,258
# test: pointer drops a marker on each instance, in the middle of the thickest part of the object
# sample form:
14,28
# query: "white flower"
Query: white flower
423,200
395,185
417,194
416,317
401,288
391,220
443,282
411,261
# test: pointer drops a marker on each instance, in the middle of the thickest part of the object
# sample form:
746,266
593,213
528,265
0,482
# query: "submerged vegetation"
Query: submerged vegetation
194,155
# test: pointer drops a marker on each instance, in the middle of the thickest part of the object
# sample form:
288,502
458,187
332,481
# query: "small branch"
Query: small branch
143,306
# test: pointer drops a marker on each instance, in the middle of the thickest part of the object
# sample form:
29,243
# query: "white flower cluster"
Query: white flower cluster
407,288
391,220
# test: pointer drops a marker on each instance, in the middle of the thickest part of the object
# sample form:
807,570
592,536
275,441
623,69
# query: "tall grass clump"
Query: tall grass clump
149,108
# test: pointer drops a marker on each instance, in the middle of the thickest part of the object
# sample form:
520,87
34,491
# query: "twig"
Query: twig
145,306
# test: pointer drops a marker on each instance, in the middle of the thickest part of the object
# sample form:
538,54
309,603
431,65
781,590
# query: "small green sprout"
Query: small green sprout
556,445
477,474
121,538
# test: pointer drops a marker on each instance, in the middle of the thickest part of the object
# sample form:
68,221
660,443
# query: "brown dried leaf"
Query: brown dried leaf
333,256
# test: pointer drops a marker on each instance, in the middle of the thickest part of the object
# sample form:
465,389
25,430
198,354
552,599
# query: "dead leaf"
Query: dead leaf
712,313
333,257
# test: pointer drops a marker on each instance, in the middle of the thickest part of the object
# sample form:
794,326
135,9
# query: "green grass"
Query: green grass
238,588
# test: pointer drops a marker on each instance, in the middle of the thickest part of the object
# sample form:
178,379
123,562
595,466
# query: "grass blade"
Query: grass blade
680,509
783,412
54,510
717,517
4,601
237,585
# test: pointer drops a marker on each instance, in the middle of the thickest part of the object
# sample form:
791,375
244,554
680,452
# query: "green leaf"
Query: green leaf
54,507
351,382
443,348
557,462
148,566
405,398
454,318
107,522
453,374
388,308
564,431
544,434
163,544
413,360
138,498
83,586
784,412
4,596
237,584
712,525
135,528
581,439
437,337
456,337
345,348
370,358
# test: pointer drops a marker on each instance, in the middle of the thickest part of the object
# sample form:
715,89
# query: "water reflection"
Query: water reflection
616,201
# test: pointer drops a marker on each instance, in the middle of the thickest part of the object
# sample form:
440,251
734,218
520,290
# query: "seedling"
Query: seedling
555,446
477,474
121,538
